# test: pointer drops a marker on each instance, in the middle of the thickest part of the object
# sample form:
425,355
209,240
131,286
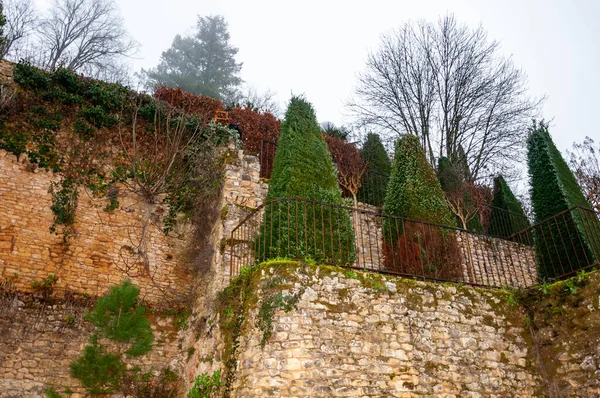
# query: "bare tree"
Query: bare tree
585,163
84,36
446,84
21,20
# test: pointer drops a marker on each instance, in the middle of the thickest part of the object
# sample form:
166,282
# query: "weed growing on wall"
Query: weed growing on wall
206,386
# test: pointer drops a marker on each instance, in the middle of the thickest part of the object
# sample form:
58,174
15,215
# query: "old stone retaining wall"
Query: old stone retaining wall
103,249
361,334
38,341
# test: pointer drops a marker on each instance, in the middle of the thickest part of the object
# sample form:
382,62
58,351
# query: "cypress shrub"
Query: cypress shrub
562,246
375,180
506,214
414,192
303,168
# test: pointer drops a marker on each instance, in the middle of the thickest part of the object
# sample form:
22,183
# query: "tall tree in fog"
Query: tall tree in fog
447,84
203,63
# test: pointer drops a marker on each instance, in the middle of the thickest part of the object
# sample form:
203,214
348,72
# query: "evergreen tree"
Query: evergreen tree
375,180
554,189
201,64
414,192
506,214
303,168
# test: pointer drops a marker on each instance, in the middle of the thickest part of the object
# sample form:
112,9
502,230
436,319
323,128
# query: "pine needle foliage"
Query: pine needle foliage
414,190
98,371
554,189
375,180
507,216
303,168
121,319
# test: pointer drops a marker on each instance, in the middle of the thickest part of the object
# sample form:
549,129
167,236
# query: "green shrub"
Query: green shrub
121,319
554,189
414,190
303,168
98,371
506,214
375,180
206,386
28,76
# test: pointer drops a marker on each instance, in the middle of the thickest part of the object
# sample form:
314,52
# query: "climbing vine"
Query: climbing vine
101,136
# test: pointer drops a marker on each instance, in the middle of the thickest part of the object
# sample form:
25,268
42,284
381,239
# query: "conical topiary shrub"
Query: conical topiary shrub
506,213
414,192
303,169
563,246
375,180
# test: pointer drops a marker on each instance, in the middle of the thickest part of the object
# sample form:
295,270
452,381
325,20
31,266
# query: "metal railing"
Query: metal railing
360,238
565,243
494,221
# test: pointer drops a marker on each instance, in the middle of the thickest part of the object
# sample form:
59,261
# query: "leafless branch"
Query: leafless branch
446,84
83,34
21,21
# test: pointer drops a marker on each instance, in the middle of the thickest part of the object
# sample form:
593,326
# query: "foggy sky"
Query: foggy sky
316,47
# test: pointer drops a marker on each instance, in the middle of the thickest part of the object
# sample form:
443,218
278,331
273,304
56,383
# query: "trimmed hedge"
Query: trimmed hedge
303,168
375,180
554,189
506,214
414,190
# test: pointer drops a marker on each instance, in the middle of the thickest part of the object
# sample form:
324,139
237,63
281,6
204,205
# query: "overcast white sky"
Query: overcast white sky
317,47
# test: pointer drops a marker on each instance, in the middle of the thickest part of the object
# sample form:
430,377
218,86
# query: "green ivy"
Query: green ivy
31,77
414,190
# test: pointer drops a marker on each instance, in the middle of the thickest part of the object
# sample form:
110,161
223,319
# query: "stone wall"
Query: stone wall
361,334
104,247
497,262
564,320
6,71
38,341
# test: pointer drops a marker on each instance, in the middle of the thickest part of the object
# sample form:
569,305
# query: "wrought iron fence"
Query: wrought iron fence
360,238
565,243
266,158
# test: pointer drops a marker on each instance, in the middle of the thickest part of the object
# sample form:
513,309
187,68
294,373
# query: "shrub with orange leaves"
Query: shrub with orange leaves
424,250
200,105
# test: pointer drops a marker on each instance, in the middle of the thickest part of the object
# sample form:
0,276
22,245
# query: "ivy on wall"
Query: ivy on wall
99,135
